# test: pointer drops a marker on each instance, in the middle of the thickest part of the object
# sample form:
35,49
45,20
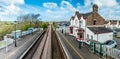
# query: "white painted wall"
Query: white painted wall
105,36
71,22
75,32
76,21
83,23
90,33
99,37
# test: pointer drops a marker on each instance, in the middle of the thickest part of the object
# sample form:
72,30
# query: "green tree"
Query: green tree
44,25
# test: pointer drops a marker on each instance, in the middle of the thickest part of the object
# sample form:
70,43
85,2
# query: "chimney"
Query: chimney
95,8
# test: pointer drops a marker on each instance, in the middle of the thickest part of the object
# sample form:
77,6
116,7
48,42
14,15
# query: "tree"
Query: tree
28,20
44,25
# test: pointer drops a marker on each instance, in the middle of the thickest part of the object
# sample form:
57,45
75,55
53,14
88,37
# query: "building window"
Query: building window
94,22
92,37
76,21
81,36
87,36
80,23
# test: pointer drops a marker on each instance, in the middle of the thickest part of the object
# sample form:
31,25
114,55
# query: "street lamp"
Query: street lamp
65,29
15,22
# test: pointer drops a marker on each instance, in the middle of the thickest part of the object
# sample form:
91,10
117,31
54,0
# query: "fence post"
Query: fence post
101,54
94,49
91,47
106,53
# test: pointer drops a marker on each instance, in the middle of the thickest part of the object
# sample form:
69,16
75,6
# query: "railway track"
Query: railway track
46,46
28,54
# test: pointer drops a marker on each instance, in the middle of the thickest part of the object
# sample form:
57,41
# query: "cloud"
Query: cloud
13,1
13,9
62,12
10,9
50,5
106,3
102,3
67,5
107,8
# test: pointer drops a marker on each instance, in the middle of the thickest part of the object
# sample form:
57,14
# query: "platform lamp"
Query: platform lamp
15,22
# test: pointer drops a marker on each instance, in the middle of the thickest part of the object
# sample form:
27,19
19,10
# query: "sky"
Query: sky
57,10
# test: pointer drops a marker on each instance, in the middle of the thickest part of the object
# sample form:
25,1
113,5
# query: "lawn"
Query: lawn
4,43
5,27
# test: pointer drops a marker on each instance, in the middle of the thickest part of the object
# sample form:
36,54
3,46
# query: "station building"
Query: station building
89,26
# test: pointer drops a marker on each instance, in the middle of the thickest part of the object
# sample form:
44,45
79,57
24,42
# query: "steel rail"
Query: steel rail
25,54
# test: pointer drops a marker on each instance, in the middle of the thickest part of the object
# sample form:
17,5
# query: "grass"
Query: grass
117,37
5,27
3,43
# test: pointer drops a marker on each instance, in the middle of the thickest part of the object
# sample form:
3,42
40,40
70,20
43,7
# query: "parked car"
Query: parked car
111,43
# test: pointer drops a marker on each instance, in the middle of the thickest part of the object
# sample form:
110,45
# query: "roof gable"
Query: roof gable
72,18
85,15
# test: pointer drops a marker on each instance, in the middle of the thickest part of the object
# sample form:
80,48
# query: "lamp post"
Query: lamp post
15,33
66,29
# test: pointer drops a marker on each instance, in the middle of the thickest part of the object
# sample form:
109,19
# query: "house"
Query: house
90,26
113,24
117,32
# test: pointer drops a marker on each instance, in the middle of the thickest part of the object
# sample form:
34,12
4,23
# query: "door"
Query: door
71,30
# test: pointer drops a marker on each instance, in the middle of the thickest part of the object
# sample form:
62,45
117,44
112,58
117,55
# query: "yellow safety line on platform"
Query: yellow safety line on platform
72,47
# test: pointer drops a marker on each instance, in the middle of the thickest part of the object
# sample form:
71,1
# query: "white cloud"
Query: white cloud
106,3
49,11
102,3
64,11
87,3
10,9
107,8
50,5
13,1
61,12
67,5
13,10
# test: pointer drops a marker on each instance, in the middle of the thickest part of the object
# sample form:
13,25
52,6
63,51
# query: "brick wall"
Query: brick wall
92,17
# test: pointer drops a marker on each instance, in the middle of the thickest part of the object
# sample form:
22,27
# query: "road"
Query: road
22,45
72,46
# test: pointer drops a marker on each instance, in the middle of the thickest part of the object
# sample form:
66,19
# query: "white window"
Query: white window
91,37
87,36
76,21
80,22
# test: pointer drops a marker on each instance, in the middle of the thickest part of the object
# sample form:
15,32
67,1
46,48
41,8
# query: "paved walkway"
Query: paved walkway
76,53
23,43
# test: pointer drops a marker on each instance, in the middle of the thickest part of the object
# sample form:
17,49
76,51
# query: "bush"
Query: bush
44,25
